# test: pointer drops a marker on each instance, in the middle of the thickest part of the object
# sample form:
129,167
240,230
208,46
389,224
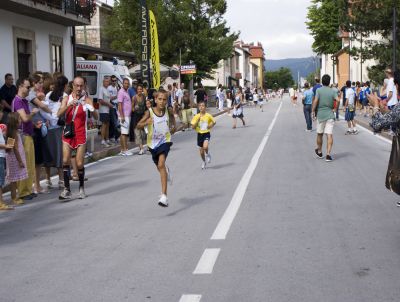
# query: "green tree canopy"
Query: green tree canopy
281,78
324,20
196,28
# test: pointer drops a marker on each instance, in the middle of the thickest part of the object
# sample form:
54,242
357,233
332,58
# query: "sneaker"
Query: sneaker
348,132
169,176
141,152
398,203
5,207
128,153
122,153
163,201
208,157
319,154
328,158
65,195
27,197
203,165
82,194
355,131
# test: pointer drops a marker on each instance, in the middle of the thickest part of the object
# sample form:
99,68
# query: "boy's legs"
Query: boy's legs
329,144
319,141
163,172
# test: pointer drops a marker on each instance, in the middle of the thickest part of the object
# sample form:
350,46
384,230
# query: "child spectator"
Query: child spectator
15,159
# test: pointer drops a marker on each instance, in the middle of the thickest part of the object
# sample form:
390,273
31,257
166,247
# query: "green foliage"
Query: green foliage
311,78
324,20
281,78
196,27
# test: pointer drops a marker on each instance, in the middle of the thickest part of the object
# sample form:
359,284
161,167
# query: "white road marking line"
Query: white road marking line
190,298
226,221
207,262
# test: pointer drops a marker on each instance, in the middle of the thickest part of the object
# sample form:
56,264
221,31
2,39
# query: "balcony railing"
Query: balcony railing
80,8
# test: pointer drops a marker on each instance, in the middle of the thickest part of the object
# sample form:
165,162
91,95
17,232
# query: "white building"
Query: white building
37,35
342,67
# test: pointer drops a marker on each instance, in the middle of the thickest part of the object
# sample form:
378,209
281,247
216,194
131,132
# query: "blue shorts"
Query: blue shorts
349,115
202,137
162,149
2,171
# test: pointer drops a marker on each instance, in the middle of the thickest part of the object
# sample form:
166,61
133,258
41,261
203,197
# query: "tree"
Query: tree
281,78
324,20
194,28
311,78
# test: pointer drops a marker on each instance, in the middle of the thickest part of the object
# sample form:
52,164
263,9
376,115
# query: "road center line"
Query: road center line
226,221
207,262
190,298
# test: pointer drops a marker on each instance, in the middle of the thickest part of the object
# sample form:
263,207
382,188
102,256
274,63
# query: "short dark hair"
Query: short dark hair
21,82
126,79
317,80
113,76
348,84
7,75
306,85
326,79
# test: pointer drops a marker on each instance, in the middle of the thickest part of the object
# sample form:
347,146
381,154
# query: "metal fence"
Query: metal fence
83,8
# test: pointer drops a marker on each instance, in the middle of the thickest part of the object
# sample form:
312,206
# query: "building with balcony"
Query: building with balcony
38,35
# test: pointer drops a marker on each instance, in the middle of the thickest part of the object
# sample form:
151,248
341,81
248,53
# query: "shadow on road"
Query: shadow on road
191,202
220,166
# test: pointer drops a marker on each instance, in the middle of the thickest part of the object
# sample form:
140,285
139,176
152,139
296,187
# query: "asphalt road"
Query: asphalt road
267,221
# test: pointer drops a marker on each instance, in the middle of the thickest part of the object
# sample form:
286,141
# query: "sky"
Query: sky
278,24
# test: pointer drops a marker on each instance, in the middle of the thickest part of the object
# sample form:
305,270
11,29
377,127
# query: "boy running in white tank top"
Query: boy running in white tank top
160,124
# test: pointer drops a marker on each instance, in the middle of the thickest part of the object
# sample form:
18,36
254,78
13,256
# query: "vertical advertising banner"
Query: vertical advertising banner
155,51
145,44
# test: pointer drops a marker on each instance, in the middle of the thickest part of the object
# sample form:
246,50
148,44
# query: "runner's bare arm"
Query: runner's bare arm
42,106
146,119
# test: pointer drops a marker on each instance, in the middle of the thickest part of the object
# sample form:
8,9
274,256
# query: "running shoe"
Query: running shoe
169,176
163,201
398,203
122,153
348,132
128,153
319,154
141,152
355,131
208,157
328,158
82,194
203,165
65,195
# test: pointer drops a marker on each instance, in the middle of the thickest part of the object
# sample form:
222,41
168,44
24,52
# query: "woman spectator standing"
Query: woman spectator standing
75,107
138,110
42,154
20,104
15,159
385,118
54,134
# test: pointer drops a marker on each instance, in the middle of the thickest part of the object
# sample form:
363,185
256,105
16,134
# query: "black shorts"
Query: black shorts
202,137
104,117
162,149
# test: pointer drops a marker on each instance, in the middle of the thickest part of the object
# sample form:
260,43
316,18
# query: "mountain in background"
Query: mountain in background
304,65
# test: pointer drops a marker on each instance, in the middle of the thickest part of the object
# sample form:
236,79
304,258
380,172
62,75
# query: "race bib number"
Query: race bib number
203,126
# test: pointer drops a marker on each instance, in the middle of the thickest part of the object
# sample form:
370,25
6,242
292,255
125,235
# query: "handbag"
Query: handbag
69,129
393,172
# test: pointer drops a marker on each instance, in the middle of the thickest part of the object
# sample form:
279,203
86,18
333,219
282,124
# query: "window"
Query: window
237,62
56,52
91,78
24,51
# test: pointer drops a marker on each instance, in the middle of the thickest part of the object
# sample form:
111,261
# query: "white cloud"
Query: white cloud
278,24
